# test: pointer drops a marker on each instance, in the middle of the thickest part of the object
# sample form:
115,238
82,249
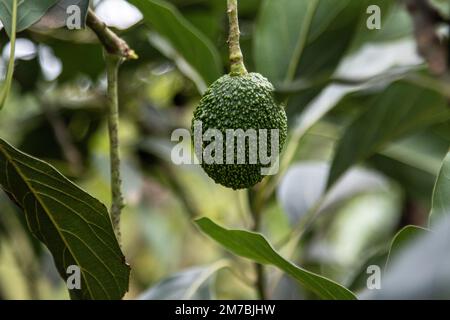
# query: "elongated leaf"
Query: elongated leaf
191,284
74,226
395,24
359,279
420,270
255,247
290,33
304,184
441,194
191,44
402,239
28,13
402,108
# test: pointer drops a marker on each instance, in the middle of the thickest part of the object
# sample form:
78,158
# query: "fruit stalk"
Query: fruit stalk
236,57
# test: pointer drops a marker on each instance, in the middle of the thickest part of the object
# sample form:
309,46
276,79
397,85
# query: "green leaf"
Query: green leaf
29,12
74,226
402,239
297,198
358,280
188,41
421,271
441,194
190,284
395,24
290,33
255,247
400,109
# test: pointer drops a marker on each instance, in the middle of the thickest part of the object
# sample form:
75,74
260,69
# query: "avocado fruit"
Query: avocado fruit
240,102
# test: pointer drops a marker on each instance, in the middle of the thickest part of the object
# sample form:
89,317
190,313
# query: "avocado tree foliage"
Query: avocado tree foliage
348,132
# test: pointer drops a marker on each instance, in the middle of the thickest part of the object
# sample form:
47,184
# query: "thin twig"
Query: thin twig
112,43
256,212
112,69
116,50
9,74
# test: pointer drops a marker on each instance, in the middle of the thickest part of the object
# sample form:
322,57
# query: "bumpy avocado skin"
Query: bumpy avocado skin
240,102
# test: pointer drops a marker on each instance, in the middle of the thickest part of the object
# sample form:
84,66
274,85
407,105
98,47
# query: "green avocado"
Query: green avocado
240,102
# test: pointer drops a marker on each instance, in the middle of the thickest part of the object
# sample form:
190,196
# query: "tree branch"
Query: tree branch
112,43
112,70
430,46
116,50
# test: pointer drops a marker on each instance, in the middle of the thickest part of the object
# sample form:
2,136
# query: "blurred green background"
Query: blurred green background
56,112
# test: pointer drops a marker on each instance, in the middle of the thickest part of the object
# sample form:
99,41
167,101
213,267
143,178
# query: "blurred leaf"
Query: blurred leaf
29,12
399,110
402,239
78,59
57,15
442,6
420,271
191,44
290,34
321,105
441,194
163,46
190,284
423,150
27,74
255,247
414,161
74,226
304,185
359,278
287,289
416,183
395,24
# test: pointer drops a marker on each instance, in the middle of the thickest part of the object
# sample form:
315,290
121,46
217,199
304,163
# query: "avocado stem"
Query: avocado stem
236,57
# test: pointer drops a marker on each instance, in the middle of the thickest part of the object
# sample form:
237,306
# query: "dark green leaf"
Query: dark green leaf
402,239
297,198
290,34
255,247
78,59
190,43
359,278
74,226
402,108
191,284
28,13
441,194
395,24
